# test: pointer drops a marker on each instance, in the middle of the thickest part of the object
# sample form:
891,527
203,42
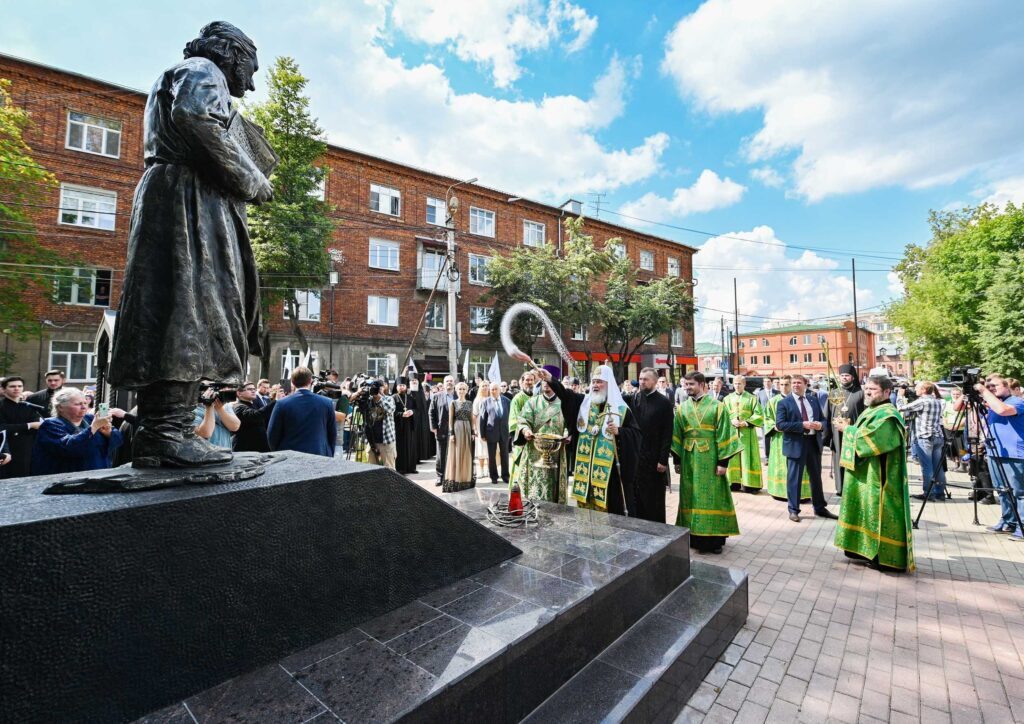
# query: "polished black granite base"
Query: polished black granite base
113,605
498,645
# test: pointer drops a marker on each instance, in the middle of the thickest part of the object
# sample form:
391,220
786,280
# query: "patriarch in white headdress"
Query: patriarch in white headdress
602,389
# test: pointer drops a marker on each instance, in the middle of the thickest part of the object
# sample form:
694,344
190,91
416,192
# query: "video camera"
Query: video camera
225,393
325,387
965,377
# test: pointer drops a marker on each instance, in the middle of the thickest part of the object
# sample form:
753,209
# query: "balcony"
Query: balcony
425,279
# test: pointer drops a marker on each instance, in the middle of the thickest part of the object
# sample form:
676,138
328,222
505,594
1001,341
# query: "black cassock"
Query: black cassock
653,413
426,445
854,396
406,444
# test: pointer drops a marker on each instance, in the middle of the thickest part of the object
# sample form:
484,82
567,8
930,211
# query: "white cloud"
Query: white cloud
495,34
860,95
806,288
768,176
546,148
894,285
1004,191
707,193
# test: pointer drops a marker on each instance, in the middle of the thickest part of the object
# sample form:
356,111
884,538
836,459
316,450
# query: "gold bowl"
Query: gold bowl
547,444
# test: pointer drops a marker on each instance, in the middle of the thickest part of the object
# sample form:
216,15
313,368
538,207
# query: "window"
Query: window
75,359
290,359
741,360
807,339
764,342
84,286
821,356
753,359
673,266
319,191
380,363
437,211
478,269
479,364
742,344
677,337
382,311
753,343
82,206
580,332
807,357
821,339
309,305
618,249
434,317
647,260
386,200
849,336
384,254
479,318
792,341
93,134
481,222
792,359
767,359
431,264
533,233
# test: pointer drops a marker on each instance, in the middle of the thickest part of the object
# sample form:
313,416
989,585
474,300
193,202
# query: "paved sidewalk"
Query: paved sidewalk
831,640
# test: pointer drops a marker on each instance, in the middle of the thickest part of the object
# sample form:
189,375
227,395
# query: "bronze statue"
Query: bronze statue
190,306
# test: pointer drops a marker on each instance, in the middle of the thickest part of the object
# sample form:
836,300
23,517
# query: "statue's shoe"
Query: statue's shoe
150,451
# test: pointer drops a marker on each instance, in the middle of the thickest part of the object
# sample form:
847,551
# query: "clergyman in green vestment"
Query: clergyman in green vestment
746,415
777,464
703,442
541,415
874,518
526,383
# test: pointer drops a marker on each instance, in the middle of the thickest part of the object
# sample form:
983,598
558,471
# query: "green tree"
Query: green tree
560,285
961,300
290,234
25,264
633,312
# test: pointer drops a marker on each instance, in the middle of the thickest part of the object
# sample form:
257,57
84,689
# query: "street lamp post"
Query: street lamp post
333,280
451,203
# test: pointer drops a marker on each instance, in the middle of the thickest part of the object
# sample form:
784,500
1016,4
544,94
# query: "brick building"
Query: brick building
388,245
798,349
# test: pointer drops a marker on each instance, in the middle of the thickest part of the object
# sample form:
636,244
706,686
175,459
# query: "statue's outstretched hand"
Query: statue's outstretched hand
265,193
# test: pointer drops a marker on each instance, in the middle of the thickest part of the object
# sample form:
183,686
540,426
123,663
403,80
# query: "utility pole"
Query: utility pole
856,325
736,324
452,208
722,349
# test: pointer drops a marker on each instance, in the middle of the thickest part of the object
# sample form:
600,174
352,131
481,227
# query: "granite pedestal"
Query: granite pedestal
114,605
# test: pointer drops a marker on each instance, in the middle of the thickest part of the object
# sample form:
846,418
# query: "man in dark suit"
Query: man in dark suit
494,425
253,414
303,422
800,419
438,415
43,398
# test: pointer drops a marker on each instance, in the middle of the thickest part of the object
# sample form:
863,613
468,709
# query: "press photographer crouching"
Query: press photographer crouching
1005,450
215,421
377,411
303,421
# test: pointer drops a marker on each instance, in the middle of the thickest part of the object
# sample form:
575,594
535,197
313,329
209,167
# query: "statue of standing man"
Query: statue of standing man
190,306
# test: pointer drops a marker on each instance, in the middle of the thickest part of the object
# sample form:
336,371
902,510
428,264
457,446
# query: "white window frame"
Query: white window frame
373,363
753,359
386,192
753,342
792,341
534,233
767,359
764,341
807,339
373,308
439,308
580,333
80,277
105,218
479,318
474,267
65,360
479,363
647,260
618,250
87,123
303,299
794,358
677,337
319,190
674,269
478,216
440,211
290,359
384,252
808,358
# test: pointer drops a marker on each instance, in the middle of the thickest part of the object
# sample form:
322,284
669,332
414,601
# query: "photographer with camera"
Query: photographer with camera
378,413
214,420
924,417
1006,425
302,421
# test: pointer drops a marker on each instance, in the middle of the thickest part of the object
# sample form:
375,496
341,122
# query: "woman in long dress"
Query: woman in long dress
483,393
458,472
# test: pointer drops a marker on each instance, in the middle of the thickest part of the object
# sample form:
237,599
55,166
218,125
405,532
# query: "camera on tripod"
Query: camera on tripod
325,387
966,378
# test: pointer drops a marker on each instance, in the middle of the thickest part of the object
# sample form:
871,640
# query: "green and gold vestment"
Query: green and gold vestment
745,468
541,416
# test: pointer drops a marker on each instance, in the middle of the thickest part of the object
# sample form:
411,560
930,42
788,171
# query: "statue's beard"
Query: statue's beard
598,398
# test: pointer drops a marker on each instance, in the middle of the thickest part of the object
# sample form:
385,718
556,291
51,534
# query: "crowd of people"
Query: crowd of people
604,445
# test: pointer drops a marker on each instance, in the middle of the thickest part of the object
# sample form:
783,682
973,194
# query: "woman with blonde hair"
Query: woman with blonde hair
483,392
458,471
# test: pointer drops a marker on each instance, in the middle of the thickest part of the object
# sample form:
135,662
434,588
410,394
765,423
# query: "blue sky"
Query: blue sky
770,124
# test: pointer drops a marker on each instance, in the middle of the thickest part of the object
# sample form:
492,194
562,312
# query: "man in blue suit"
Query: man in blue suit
800,418
303,422
494,425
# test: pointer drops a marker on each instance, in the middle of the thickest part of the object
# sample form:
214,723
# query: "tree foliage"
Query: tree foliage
963,291
25,264
290,233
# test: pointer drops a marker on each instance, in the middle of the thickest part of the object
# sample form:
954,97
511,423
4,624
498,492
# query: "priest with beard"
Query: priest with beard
526,389
606,438
425,443
850,409
653,413
407,411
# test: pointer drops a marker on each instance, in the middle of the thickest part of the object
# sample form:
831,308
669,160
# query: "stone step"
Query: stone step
649,673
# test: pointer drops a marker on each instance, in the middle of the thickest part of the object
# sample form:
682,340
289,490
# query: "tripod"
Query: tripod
979,446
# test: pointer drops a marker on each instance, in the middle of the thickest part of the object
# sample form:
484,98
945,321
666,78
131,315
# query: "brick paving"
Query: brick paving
831,640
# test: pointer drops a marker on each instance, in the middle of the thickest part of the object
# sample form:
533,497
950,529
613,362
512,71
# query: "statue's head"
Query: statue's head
231,50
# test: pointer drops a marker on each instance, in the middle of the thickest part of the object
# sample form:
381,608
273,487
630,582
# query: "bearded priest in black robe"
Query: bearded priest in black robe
407,410
850,409
654,414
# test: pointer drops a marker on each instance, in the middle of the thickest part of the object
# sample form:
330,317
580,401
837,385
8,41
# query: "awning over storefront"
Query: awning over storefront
602,357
